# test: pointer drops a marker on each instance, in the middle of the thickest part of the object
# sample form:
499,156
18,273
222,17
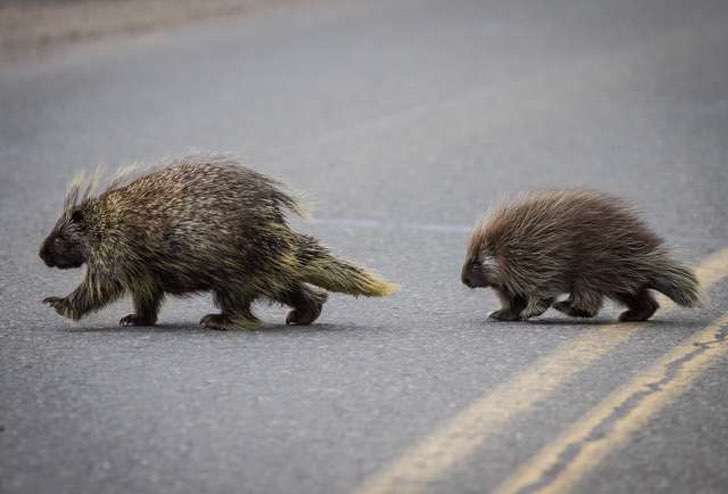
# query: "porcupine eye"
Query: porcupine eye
77,217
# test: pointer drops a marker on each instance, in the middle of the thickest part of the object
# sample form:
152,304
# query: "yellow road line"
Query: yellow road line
608,426
454,441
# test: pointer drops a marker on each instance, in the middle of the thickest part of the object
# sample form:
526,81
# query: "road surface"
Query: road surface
403,122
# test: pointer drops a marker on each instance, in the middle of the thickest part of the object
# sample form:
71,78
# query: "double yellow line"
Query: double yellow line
456,440
611,423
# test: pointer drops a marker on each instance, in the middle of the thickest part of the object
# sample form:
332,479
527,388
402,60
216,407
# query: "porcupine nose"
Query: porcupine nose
467,281
46,255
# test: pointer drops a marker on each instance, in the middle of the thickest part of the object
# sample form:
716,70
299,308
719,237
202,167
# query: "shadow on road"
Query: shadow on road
591,323
266,329
652,323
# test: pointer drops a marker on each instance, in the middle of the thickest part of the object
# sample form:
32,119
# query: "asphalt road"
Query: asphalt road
402,121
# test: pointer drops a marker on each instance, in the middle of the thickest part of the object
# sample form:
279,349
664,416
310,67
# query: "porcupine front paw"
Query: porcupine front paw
61,306
504,315
135,320
55,302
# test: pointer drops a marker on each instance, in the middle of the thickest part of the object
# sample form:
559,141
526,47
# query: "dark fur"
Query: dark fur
203,223
585,244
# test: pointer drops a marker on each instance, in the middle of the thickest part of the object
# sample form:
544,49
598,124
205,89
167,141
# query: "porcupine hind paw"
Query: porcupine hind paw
303,316
641,306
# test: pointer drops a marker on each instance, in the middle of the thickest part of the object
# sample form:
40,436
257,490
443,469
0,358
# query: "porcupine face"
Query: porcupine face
66,246
474,274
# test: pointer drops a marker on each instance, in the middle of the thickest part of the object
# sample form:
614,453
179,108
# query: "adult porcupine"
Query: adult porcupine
587,244
201,223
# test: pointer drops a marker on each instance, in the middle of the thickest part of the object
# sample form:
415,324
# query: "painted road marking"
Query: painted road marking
456,440
560,465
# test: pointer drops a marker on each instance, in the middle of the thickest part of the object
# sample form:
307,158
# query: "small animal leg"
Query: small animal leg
306,301
146,308
585,303
640,305
536,307
236,313
511,306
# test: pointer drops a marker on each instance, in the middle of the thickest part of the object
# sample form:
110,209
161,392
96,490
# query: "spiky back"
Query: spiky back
194,215
546,240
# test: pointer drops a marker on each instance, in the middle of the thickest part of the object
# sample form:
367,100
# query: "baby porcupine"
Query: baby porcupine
582,243
201,223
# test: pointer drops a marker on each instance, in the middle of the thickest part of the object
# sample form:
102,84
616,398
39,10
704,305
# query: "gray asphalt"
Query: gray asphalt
402,122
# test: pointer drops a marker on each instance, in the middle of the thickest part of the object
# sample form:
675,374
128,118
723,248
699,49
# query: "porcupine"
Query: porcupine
586,244
201,223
